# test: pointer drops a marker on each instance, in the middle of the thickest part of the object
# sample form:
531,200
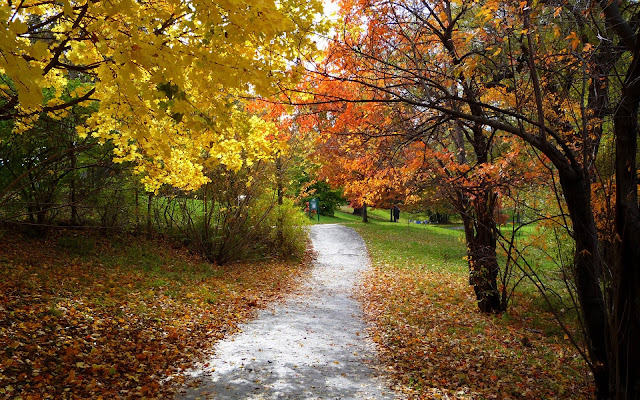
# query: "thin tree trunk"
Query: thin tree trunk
280,192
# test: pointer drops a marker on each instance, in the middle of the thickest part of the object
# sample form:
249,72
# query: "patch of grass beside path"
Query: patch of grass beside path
83,317
433,339
345,216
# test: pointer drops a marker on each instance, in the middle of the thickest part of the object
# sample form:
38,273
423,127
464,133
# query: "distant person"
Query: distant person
396,213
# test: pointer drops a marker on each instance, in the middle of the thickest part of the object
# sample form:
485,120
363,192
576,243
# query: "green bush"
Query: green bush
329,199
285,228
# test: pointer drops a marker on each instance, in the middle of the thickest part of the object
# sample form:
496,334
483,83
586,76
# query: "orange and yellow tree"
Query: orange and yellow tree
378,150
357,145
421,147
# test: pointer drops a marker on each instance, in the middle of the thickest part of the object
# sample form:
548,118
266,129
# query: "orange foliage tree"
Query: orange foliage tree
358,144
380,142
561,78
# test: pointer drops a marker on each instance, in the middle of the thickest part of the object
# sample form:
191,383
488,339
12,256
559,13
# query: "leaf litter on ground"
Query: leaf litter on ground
86,317
436,344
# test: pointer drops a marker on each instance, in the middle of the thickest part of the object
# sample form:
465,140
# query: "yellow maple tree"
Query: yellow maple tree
167,74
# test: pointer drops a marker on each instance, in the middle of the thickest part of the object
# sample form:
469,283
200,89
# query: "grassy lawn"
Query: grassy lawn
83,316
435,341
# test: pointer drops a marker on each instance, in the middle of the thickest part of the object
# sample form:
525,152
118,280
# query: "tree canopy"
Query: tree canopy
492,86
168,75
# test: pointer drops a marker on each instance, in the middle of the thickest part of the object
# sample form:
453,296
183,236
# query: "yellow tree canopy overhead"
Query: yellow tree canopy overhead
167,73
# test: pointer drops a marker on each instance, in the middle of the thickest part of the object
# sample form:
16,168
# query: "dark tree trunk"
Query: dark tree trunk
32,212
482,256
480,235
362,211
625,307
587,269
624,302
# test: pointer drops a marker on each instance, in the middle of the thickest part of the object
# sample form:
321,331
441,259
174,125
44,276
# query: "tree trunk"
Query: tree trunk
587,269
365,218
280,190
482,256
480,236
625,307
41,215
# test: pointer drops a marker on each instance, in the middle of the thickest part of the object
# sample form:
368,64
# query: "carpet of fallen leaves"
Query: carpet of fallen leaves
435,342
83,318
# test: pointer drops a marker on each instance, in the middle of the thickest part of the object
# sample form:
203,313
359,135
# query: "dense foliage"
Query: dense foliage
168,117
488,101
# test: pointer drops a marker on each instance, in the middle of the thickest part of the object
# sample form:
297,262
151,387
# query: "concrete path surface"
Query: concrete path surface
314,345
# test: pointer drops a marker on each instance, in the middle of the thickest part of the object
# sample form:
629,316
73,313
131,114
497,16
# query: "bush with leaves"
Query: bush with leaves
237,216
285,228
329,199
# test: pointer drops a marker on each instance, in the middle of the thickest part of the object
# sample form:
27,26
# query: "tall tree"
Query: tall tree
548,74
370,66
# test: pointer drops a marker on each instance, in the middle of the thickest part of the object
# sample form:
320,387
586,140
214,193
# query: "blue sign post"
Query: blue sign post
314,205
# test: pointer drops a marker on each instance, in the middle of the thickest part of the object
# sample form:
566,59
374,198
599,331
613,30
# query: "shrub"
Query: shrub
285,229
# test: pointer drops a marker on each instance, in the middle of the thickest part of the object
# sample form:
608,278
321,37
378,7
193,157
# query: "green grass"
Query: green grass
407,245
341,216
195,206
345,215
441,247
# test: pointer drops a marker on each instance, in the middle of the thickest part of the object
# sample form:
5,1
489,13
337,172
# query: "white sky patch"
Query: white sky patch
330,9
330,13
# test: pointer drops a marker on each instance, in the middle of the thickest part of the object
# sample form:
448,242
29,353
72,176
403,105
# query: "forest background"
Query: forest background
210,127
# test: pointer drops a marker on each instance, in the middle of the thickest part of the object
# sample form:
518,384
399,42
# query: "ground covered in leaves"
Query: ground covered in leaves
83,316
433,339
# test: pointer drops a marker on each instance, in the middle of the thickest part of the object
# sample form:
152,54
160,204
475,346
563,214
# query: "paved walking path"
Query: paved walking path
312,346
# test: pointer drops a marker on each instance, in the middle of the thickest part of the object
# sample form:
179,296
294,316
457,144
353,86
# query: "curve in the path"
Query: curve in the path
312,346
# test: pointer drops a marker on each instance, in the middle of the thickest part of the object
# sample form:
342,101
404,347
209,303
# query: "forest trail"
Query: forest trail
314,345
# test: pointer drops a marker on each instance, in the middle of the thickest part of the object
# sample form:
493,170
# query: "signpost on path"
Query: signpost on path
314,205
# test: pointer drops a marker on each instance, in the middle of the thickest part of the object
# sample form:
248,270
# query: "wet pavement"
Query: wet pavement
314,345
